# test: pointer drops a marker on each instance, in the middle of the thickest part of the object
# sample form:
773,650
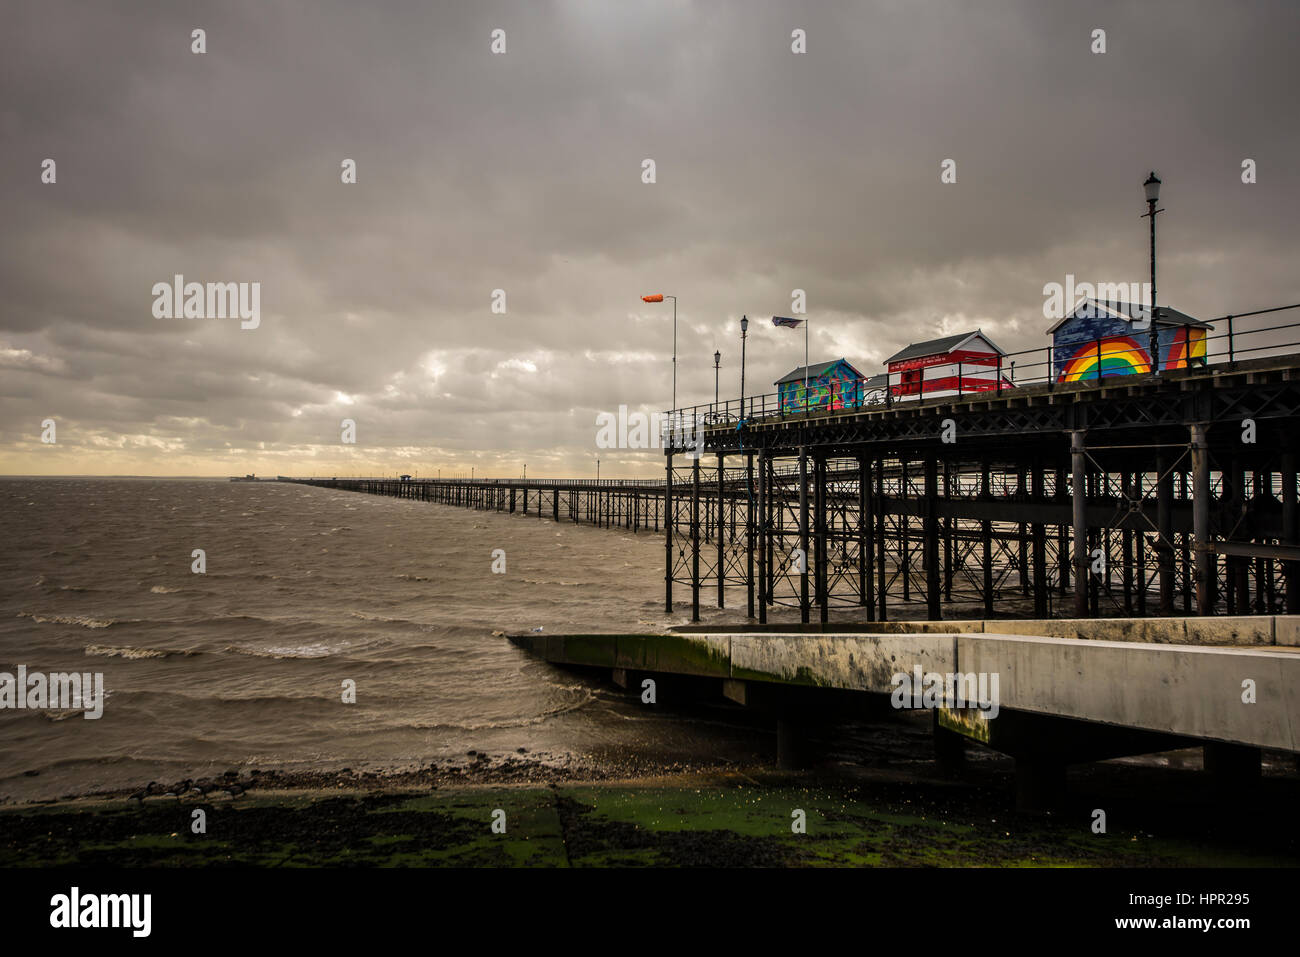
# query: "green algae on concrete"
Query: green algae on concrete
707,656
730,820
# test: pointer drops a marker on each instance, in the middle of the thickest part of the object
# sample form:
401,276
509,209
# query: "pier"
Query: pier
1129,496
1122,552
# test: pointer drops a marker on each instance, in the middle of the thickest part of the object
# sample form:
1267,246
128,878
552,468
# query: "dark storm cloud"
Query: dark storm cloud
522,172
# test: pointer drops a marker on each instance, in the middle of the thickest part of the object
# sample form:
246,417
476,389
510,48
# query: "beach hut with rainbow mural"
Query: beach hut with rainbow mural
1102,339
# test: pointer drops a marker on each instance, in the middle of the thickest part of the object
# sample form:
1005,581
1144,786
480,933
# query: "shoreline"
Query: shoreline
721,814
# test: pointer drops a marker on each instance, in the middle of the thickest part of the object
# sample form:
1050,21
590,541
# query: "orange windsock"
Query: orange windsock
657,297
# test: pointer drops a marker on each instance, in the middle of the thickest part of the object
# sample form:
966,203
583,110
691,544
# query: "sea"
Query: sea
304,594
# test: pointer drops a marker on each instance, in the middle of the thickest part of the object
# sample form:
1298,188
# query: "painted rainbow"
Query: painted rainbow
1120,355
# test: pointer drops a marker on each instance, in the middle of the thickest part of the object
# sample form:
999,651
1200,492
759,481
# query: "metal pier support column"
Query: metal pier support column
695,540
721,525
1038,533
769,529
804,607
1165,533
866,567
760,540
986,538
1290,531
932,573
749,531
882,584
1078,462
821,546
668,536
1205,563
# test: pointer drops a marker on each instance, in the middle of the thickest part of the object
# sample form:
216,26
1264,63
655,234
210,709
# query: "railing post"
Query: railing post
1231,354
999,373
959,378
1099,361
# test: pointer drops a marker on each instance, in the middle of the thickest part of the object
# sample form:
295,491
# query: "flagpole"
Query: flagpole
805,364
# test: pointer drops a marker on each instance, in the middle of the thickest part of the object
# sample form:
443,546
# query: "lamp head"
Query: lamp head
1152,187
717,359
744,323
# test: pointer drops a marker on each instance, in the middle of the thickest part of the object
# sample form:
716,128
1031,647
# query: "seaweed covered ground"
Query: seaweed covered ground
724,819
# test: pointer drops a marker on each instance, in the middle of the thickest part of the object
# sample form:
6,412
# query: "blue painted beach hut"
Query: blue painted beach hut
831,385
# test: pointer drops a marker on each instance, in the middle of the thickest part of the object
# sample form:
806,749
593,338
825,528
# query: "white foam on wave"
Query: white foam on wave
125,651
84,621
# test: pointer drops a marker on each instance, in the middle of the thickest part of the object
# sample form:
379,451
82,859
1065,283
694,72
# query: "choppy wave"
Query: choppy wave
85,621
111,651
313,650
382,619
163,590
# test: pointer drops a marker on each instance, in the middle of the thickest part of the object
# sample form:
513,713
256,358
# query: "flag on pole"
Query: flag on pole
789,323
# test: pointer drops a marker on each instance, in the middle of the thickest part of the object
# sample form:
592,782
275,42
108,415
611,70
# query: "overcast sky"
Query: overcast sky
523,172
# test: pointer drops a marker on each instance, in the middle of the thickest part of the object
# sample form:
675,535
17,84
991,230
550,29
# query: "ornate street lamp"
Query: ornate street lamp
1152,188
744,333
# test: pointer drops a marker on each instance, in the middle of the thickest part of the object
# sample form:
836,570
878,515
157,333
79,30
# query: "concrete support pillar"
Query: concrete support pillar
949,748
1234,764
1040,784
791,744
1078,464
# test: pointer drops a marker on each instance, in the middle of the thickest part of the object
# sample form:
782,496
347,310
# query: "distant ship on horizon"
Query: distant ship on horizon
250,477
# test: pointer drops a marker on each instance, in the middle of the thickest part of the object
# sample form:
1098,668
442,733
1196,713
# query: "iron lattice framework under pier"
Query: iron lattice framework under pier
1160,495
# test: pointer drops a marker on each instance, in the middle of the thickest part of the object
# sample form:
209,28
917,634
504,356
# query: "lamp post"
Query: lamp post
597,471
660,297
717,365
1152,188
744,333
